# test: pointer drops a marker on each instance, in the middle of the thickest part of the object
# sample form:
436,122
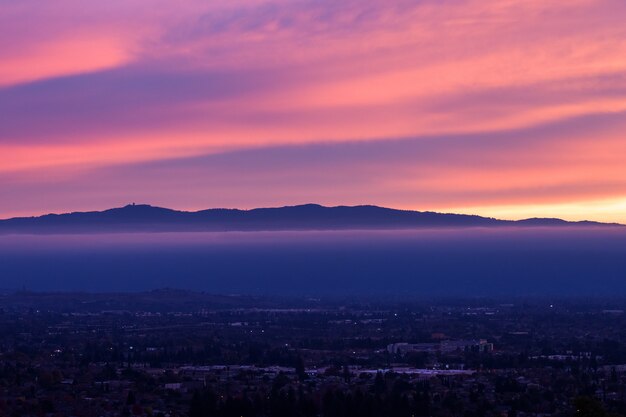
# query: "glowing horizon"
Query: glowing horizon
502,108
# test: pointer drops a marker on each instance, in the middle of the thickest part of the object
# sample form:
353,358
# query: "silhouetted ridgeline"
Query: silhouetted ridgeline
146,218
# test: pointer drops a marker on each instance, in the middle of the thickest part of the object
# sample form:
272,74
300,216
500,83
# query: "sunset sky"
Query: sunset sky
504,108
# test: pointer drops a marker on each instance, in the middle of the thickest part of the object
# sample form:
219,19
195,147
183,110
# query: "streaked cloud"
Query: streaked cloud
499,106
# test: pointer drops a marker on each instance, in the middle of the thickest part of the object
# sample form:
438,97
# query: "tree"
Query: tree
300,369
588,407
130,399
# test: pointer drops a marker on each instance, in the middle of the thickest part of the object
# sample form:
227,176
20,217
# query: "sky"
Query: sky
503,108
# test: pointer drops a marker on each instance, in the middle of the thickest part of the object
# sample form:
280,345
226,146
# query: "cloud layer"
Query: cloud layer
502,107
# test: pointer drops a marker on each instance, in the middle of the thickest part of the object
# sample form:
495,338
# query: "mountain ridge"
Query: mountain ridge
148,218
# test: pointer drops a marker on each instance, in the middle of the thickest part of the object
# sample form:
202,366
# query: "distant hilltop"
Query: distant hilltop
147,218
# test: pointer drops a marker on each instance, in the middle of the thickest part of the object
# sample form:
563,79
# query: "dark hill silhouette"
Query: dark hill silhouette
146,218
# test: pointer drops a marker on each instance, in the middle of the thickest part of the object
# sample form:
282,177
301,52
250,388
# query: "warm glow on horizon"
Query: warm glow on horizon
504,108
600,211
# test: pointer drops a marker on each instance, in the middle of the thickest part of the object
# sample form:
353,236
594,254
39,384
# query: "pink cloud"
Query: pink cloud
88,86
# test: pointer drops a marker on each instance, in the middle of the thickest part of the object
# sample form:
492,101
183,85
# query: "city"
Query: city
312,208
178,353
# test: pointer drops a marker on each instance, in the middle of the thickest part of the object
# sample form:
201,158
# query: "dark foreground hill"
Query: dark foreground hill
146,218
